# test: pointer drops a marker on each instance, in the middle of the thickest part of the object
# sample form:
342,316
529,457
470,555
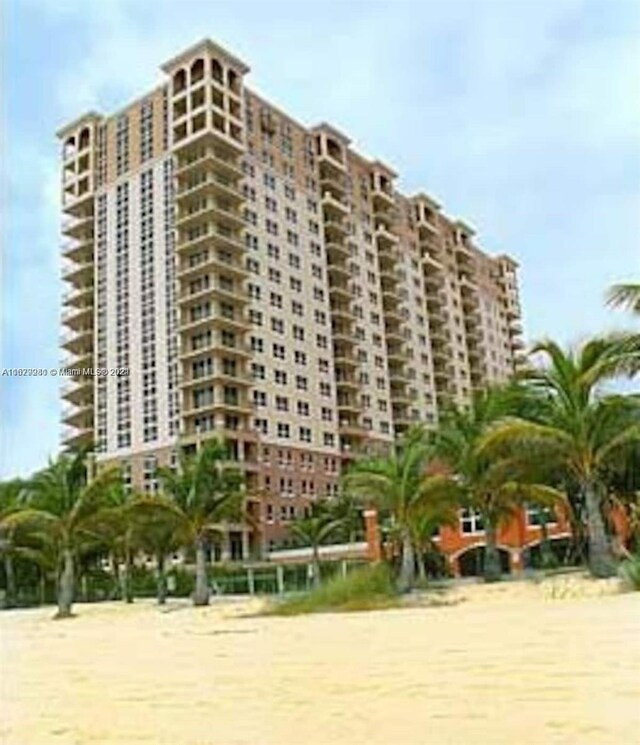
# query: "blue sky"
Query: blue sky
522,117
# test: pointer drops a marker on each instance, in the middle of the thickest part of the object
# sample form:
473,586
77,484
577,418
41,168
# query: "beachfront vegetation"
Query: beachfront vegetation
205,490
367,588
575,425
313,530
493,481
556,437
401,488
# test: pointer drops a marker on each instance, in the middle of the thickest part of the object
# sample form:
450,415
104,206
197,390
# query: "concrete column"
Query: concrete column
251,581
225,550
372,532
454,566
515,561
245,545
280,578
343,567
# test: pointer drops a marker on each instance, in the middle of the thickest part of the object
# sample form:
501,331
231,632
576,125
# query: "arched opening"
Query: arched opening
85,137
217,72
233,81
179,81
197,71
555,552
471,562
69,147
334,150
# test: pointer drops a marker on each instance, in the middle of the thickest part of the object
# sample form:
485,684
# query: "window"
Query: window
305,434
539,515
283,430
471,521
259,398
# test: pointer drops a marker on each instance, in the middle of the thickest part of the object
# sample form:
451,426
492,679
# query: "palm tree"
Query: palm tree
347,510
159,531
313,531
204,491
439,510
489,481
398,485
62,500
11,500
580,427
115,526
625,295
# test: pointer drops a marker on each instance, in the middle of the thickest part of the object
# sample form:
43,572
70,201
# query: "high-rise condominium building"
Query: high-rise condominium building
261,281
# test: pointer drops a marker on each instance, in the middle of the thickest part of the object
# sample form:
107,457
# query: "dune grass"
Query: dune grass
368,588
630,572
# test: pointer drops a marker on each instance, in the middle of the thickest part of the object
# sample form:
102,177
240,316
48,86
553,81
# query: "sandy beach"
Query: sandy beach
556,662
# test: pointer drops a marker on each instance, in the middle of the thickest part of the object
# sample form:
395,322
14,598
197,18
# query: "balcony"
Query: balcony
210,185
78,390
80,348
347,382
81,253
223,213
332,162
391,310
187,145
348,405
334,207
382,198
434,280
79,228
339,273
191,270
385,238
79,417
341,311
79,274
333,180
340,290
396,353
74,437
464,254
393,333
335,230
78,296
337,252
211,233
208,160
427,227
78,317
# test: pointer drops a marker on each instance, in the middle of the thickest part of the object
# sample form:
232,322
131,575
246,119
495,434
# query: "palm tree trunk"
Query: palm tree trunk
128,565
65,585
162,579
601,561
422,567
492,567
43,586
10,599
201,594
407,568
316,567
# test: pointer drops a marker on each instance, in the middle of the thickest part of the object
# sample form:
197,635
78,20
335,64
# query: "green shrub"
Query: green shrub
368,588
630,572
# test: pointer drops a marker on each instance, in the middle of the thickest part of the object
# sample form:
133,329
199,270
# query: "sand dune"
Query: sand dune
552,663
